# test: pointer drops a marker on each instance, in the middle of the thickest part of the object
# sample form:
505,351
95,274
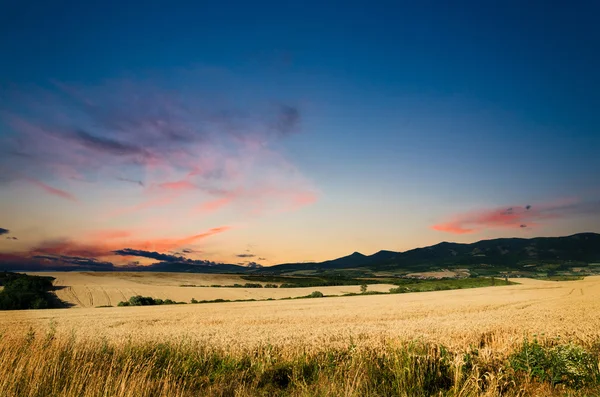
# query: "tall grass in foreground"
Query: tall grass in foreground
50,365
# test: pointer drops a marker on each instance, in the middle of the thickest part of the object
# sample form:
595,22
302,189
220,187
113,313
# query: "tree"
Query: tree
363,288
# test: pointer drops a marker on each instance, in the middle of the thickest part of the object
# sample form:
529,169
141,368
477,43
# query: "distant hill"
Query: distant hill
541,256
548,254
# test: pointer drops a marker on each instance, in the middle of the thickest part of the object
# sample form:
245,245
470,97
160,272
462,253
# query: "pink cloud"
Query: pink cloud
454,228
177,185
101,248
214,205
515,217
188,154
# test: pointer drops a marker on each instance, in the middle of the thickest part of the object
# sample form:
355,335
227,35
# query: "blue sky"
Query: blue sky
298,131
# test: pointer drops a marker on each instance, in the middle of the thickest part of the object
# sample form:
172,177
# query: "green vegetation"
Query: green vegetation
411,285
225,300
325,280
545,256
22,292
562,278
404,286
139,300
188,368
567,364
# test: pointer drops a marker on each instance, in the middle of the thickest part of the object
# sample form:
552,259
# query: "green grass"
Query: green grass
411,285
562,278
326,280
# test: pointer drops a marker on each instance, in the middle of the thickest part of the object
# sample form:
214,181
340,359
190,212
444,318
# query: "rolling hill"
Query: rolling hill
517,256
548,254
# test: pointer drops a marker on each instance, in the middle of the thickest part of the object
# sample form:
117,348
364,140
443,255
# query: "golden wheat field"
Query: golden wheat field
502,315
91,289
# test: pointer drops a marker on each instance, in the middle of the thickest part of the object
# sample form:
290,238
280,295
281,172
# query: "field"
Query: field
487,324
453,318
90,289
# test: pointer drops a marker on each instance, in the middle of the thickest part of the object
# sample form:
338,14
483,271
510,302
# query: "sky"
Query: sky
273,132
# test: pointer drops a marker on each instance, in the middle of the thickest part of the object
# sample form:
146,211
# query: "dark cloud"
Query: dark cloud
137,182
12,238
523,226
150,254
262,259
163,258
24,262
107,145
253,265
527,207
4,231
245,255
78,261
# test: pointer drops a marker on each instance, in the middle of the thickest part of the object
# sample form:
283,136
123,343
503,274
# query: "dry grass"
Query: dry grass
92,289
454,318
368,329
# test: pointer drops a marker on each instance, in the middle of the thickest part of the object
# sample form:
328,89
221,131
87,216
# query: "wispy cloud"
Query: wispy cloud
137,182
516,217
104,247
51,190
165,140
110,146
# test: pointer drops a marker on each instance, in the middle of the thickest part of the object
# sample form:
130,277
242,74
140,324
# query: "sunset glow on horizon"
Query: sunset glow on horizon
360,128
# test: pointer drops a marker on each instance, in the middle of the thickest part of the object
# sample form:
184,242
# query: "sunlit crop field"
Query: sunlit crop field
91,289
470,342
459,318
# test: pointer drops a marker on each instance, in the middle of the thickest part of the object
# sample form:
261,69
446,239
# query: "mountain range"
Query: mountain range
514,255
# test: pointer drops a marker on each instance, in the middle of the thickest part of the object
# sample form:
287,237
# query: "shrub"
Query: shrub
564,364
252,285
139,300
315,294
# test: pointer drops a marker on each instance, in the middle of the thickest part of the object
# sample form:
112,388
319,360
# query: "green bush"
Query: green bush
253,285
22,291
567,364
139,300
315,294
